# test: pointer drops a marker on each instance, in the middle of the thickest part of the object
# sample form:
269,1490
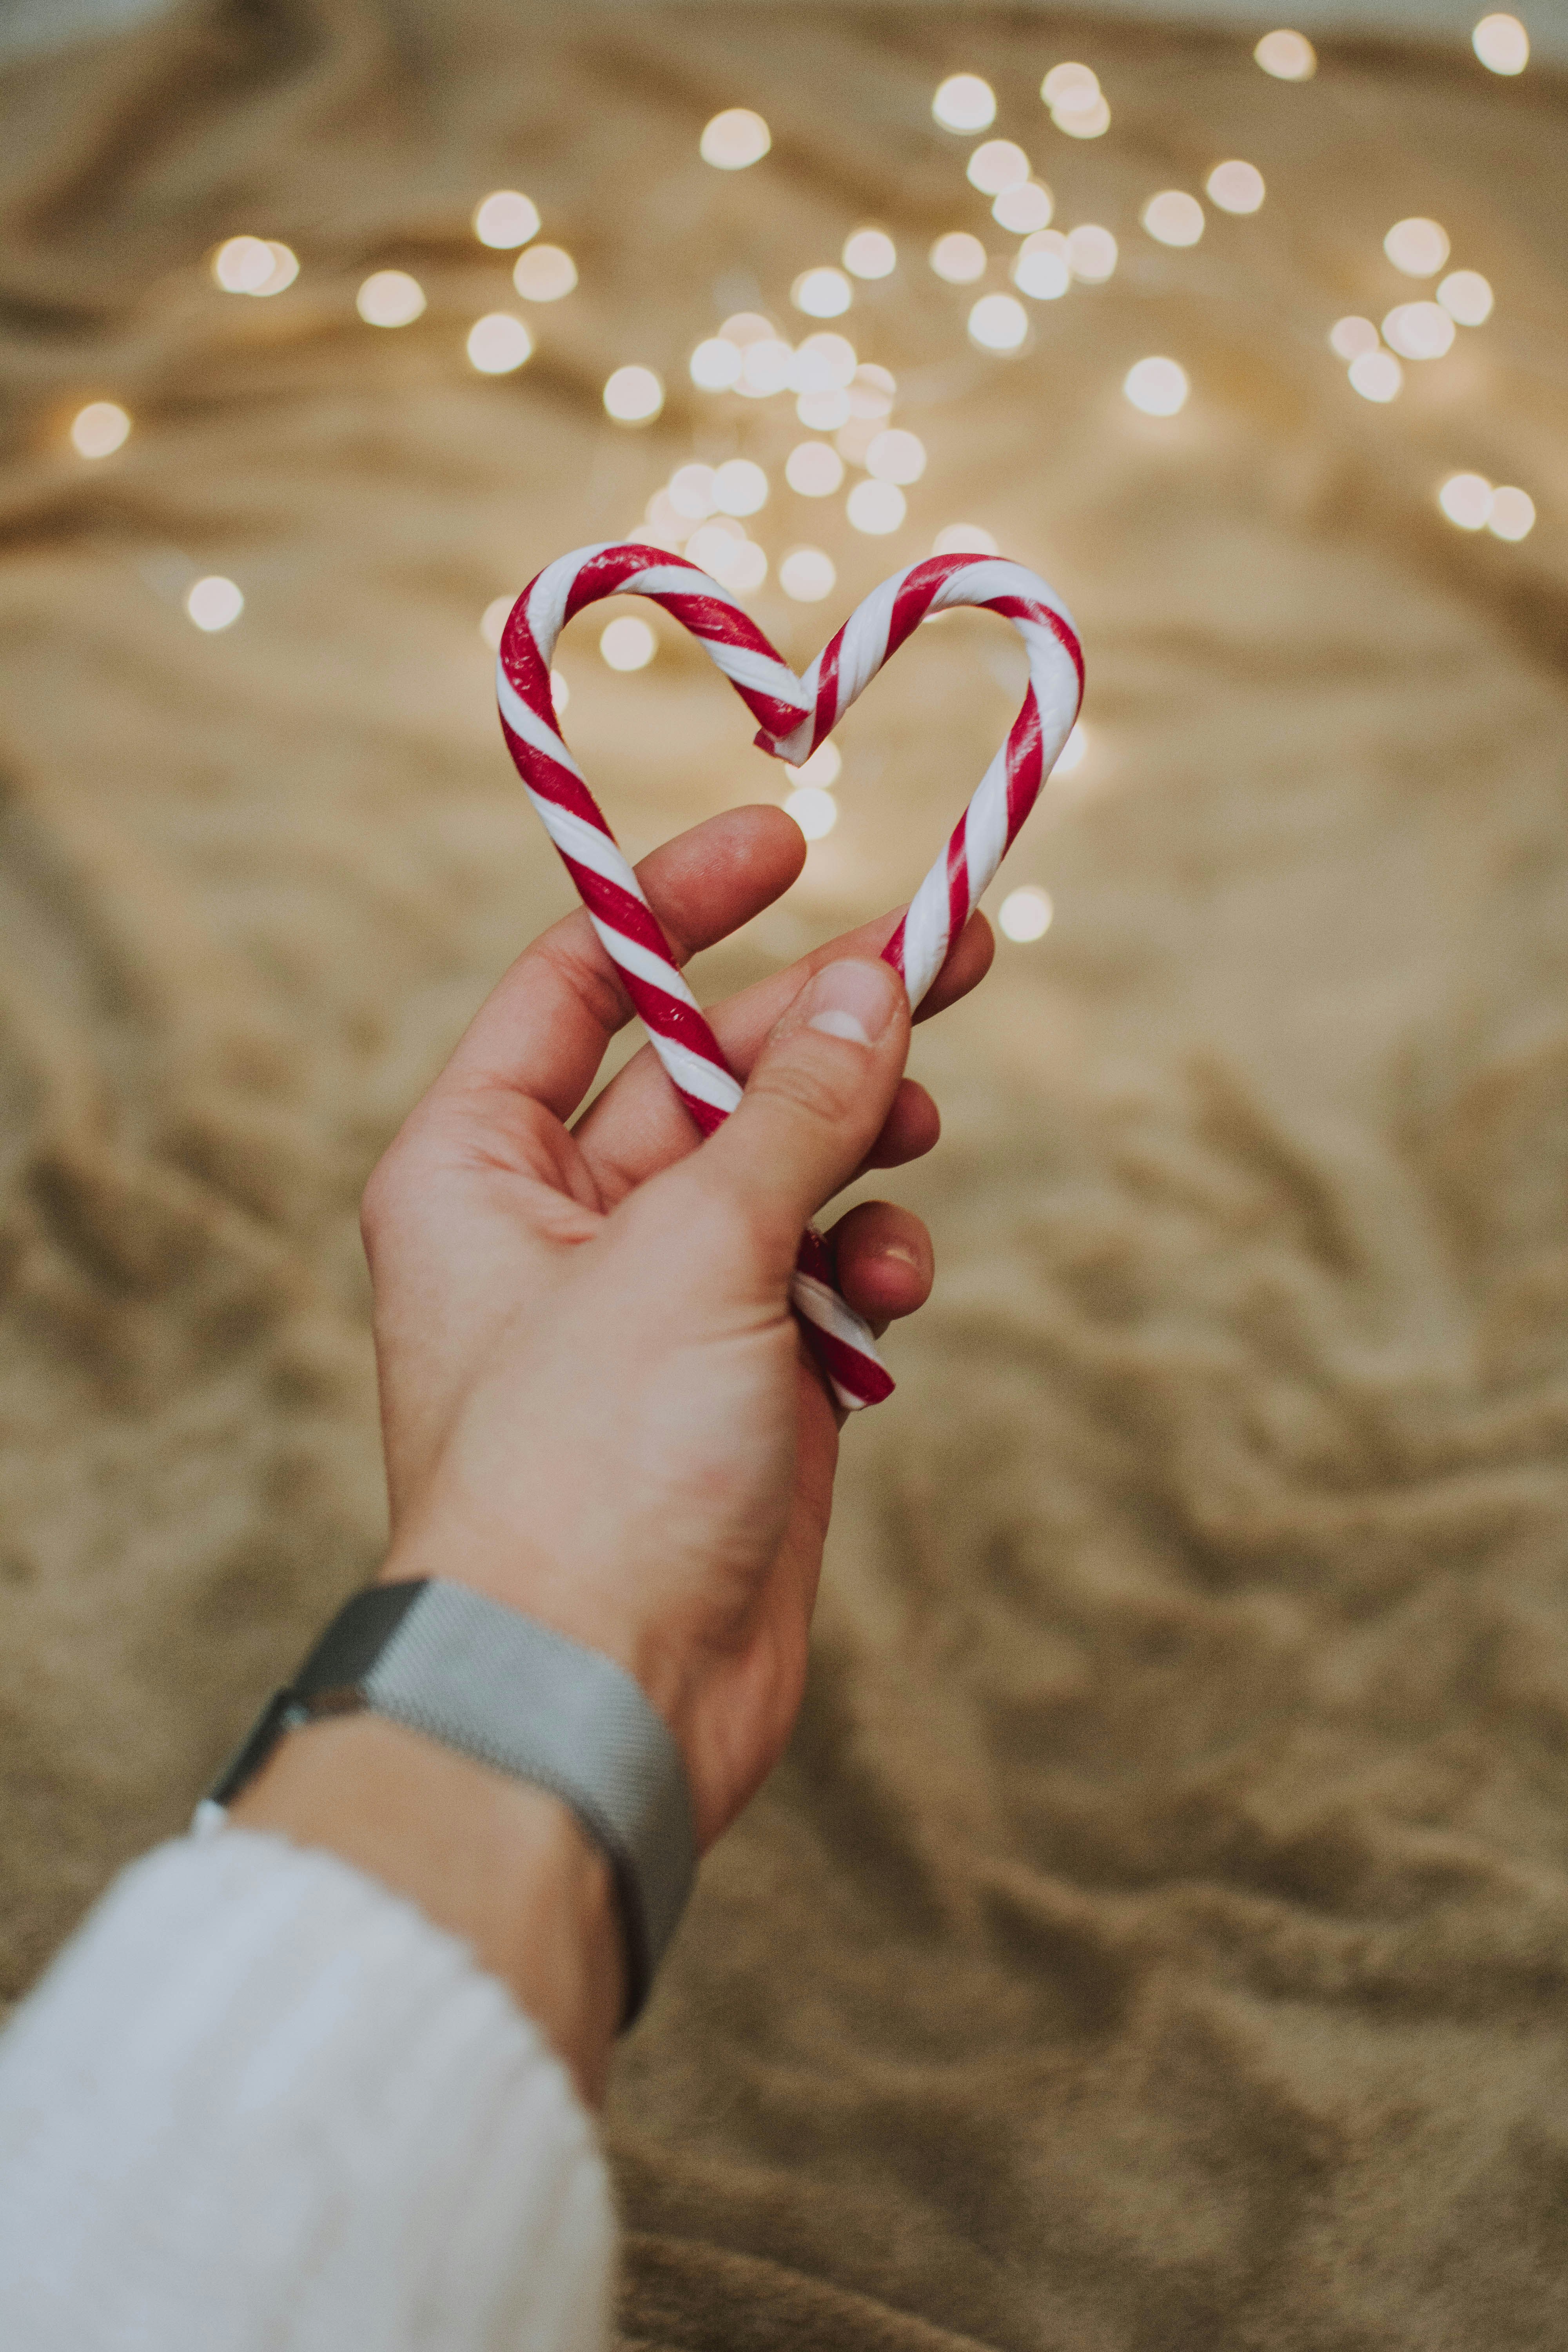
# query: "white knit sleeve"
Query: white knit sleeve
262,2104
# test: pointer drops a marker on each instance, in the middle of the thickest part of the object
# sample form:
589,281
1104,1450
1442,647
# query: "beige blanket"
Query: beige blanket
1158,1936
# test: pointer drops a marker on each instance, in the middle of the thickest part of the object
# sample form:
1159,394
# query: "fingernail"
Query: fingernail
852,1000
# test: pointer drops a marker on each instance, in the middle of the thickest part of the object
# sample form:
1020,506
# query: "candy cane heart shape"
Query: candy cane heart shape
794,715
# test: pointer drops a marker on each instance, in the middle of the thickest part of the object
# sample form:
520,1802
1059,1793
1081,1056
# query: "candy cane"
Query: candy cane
795,715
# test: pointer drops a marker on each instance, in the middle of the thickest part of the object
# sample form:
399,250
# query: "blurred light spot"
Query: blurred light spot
634,395
1419,247
691,492
823,412
734,139
663,524
853,440
1235,187
825,766
1025,914
498,343
963,538
1501,44
740,487
1072,754
1514,513
765,369
747,567
869,253
807,575
627,643
964,102
816,812
1350,337
1158,386
544,273
1376,375
215,603
505,220
872,391
997,165
1288,57
1083,123
749,327
560,693
876,508
1466,500
958,257
1022,211
998,322
824,363
284,270
99,429
715,364
896,457
1419,330
1466,297
813,469
1091,254
253,265
1070,87
1042,268
822,293
722,548
1174,217
390,299
493,619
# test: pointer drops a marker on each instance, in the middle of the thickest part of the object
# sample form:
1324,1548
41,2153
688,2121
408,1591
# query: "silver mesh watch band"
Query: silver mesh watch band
492,1684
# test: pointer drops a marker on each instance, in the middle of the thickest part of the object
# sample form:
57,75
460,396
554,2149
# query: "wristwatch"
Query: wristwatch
498,1687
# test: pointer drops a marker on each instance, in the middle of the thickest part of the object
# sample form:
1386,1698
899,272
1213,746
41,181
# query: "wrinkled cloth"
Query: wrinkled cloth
1156,1937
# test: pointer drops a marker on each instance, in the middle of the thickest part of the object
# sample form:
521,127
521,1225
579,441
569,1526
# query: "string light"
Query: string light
1174,217
765,368
745,327
1235,187
1419,330
1350,337
715,364
498,343
634,395
99,429
1376,375
1514,513
963,538
998,322
734,140
959,257
213,603
869,253
1466,297
872,391
807,575
1157,386
1042,268
692,494
1288,57
822,293
876,508
813,469
997,166
1025,914
897,456
253,265
1418,246
964,102
823,412
1023,211
740,487
1466,500
544,273
1501,44
823,768
390,299
506,218
1091,254
627,643
824,363
1077,104
815,812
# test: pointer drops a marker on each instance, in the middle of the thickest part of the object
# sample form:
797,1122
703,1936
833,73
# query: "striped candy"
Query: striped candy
795,715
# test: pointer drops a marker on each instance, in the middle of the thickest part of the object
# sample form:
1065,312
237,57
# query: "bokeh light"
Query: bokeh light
735,139
964,102
998,322
1071,755
766,367
876,508
1025,914
493,620
1174,217
823,412
213,603
822,293
1376,375
1288,57
715,364
691,492
1350,337
1466,297
807,575
1514,513
1417,247
253,265
823,768
959,257
997,165
389,298
1466,500
824,363
740,487
627,643
814,810
506,218
895,456
1022,211
1157,386
634,395
814,469
963,538
1077,104
1501,44
544,273
1042,268
869,253
498,343
560,693
1235,187
1419,330
99,429
1091,253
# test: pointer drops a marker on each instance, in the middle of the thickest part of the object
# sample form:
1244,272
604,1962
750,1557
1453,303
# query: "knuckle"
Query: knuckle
806,1085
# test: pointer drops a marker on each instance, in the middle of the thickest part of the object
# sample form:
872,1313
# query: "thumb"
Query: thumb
816,1101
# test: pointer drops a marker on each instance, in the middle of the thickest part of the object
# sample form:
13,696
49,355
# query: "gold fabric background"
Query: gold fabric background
1158,1936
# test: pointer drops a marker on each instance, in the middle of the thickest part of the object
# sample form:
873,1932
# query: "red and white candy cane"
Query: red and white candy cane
795,715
